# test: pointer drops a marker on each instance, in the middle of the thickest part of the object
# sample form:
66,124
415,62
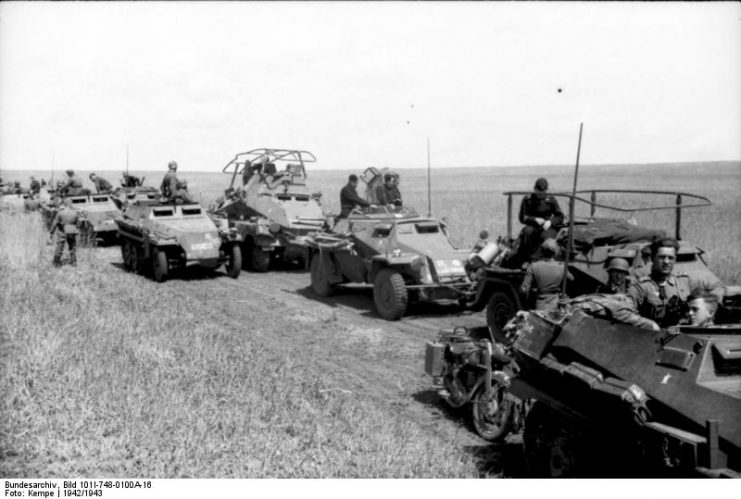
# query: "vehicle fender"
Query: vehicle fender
378,262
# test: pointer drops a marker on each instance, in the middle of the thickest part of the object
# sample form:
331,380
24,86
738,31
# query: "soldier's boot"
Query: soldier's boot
58,250
72,243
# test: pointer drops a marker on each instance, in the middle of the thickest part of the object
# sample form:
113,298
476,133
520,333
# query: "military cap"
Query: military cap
550,245
620,264
541,184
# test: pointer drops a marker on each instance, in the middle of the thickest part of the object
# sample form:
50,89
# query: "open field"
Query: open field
106,373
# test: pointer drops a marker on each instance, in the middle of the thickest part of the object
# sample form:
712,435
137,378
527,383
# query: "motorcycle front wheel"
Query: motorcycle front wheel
492,416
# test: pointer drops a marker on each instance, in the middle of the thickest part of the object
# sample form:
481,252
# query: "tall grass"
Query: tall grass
107,374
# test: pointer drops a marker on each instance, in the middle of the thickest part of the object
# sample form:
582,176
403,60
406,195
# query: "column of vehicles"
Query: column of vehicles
590,394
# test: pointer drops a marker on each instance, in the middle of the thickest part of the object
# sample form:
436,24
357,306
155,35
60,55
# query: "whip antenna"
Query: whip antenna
572,198
429,188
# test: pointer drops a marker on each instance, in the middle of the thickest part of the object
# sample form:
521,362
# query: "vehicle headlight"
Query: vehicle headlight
417,263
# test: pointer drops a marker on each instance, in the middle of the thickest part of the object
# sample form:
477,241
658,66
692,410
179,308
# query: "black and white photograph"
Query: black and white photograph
369,240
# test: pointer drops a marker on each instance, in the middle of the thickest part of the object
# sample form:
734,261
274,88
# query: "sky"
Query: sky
367,84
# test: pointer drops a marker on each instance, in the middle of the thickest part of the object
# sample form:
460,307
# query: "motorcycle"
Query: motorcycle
472,370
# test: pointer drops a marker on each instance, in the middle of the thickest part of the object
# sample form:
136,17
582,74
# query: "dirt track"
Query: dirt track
342,335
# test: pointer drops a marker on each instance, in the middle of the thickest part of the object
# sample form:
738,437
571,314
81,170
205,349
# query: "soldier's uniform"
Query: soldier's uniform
73,186
102,185
349,199
611,288
618,307
169,184
65,226
532,207
663,303
389,194
545,276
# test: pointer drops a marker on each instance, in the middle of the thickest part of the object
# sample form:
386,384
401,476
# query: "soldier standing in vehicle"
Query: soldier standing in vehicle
73,186
545,277
349,198
662,295
101,184
35,187
64,226
388,193
539,212
169,184
619,277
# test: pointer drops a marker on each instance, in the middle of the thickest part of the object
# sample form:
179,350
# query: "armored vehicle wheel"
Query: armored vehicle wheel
552,445
259,259
128,256
492,417
234,262
390,294
319,282
500,309
160,265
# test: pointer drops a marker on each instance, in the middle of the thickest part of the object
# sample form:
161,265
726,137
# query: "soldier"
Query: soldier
545,277
662,295
702,307
388,193
130,181
539,212
101,184
349,198
73,186
35,186
182,196
619,280
618,307
169,184
64,225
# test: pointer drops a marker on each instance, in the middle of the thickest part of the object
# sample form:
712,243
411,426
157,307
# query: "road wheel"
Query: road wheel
319,281
234,261
259,259
160,265
390,294
126,255
500,309
492,416
552,445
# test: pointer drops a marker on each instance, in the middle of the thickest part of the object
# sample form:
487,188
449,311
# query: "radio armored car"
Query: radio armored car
270,205
160,236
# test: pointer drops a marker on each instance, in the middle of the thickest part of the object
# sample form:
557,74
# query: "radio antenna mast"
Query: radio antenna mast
429,181
570,243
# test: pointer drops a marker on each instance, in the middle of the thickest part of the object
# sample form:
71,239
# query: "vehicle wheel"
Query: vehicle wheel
159,265
492,417
234,262
136,258
126,255
552,446
319,282
259,259
500,309
390,294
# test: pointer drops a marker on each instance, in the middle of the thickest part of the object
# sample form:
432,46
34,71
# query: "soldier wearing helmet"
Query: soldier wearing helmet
101,184
169,185
73,186
619,277
64,226
544,277
539,213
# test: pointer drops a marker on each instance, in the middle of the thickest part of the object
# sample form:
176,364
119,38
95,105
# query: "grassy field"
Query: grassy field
105,373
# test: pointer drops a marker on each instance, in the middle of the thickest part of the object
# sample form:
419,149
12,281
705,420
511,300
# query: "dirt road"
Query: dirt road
343,337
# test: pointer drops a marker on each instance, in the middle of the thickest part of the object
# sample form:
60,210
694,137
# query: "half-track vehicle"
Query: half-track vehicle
158,237
98,223
596,241
404,257
270,205
611,399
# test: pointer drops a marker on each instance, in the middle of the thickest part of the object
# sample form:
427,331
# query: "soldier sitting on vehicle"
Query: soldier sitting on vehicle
619,277
539,213
35,187
130,181
169,185
73,186
182,196
349,198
